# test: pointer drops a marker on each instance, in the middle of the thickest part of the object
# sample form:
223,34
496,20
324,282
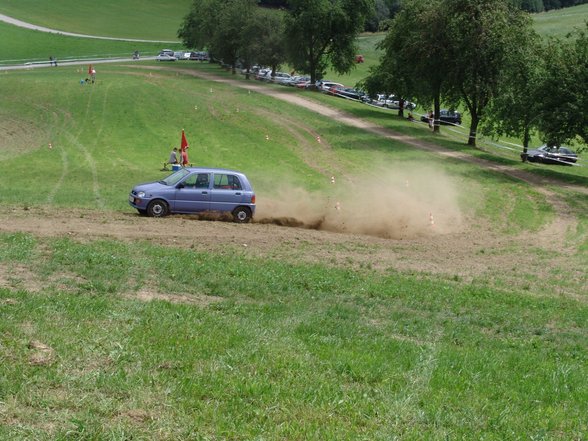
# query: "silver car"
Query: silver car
196,190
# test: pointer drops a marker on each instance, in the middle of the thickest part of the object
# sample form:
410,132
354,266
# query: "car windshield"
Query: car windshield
176,177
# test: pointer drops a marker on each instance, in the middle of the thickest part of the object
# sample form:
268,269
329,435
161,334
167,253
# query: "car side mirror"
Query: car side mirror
180,185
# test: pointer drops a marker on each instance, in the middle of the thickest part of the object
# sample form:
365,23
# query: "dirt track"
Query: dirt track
464,253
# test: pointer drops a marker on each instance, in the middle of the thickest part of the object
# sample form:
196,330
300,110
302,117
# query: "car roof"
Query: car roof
213,170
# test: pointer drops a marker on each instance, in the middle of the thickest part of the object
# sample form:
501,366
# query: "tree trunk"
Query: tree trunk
526,139
473,129
437,114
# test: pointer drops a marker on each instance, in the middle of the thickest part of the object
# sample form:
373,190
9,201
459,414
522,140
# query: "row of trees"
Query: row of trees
481,55
485,56
310,35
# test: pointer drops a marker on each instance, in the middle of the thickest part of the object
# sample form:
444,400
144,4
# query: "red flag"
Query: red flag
184,144
90,69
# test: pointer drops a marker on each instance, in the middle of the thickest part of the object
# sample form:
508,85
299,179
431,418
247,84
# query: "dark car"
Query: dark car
446,117
350,93
195,190
551,155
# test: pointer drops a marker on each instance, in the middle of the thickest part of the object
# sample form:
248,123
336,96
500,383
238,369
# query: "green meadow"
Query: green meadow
312,336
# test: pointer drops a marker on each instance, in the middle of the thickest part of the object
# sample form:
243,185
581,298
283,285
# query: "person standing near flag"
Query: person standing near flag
184,150
92,73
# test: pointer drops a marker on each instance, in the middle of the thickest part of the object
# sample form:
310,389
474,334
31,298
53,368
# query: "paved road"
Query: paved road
22,24
46,64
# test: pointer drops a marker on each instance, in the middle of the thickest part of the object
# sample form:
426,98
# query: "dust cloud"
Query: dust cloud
395,204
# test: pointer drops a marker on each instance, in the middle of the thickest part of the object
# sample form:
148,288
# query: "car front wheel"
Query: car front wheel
157,208
242,215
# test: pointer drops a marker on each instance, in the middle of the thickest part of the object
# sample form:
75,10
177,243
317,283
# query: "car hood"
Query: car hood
149,187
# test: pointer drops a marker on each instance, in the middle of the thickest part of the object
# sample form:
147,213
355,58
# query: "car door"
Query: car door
193,193
227,192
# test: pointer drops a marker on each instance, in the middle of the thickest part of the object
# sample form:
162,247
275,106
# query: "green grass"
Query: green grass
152,20
98,131
559,22
20,46
269,347
303,352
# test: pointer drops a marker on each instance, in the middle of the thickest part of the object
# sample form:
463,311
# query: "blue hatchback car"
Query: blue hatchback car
196,190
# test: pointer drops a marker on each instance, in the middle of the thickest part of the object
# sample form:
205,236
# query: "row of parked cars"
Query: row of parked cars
169,55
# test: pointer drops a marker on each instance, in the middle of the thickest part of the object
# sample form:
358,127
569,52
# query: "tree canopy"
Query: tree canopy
323,32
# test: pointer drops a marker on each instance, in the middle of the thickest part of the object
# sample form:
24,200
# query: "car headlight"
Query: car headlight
141,194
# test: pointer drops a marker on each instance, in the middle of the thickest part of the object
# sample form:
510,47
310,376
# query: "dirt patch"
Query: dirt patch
200,300
473,254
41,354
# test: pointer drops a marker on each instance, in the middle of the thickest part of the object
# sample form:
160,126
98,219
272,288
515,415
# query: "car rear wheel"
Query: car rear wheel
242,215
157,208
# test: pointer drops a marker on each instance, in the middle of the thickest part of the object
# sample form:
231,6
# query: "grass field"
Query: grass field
153,20
176,328
559,22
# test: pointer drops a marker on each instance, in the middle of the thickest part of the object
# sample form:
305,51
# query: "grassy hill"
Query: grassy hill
153,20
559,22
116,326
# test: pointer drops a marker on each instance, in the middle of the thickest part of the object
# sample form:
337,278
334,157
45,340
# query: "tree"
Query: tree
381,13
563,95
515,107
221,26
269,44
414,60
484,34
199,25
320,33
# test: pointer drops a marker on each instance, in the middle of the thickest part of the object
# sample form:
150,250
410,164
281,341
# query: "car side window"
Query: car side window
227,182
197,180
202,180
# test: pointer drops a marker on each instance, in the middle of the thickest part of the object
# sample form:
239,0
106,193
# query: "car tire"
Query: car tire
158,208
242,215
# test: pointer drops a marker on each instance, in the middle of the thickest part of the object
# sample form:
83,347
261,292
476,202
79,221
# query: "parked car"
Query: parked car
166,51
165,57
280,78
196,190
295,80
551,155
378,100
329,86
263,74
198,56
181,55
350,93
393,102
446,117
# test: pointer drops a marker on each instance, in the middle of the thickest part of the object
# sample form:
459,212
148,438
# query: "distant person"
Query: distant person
93,75
431,117
173,158
185,160
410,116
